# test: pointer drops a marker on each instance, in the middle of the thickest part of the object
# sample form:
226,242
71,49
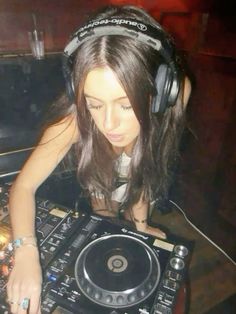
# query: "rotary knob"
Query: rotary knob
181,250
68,280
177,263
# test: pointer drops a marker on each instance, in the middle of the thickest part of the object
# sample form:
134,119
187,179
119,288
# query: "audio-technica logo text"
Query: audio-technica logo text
115,21
142,27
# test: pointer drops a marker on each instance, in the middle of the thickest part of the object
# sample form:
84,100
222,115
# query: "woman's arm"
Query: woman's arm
139,215
53,146
25,278
187,88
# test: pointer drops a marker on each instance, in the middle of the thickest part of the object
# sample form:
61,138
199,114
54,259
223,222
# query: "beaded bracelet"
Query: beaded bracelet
17,243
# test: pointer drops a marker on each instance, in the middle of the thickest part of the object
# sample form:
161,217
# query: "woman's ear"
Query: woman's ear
187,88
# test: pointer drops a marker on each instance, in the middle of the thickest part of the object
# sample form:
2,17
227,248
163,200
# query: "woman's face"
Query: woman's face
110,108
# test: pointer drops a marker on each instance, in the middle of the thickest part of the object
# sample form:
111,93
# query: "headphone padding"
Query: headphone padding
163,83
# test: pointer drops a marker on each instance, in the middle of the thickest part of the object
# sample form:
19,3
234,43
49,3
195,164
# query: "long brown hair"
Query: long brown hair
135,66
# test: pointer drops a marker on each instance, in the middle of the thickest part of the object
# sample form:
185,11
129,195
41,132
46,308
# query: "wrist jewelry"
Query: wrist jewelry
27,240
29,244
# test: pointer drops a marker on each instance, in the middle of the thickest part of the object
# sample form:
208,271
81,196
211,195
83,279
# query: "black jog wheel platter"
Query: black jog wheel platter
107,268
117,271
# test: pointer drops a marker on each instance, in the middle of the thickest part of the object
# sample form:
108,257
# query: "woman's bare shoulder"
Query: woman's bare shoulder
55,143
64,131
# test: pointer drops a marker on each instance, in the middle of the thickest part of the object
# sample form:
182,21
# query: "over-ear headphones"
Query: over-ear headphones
167,79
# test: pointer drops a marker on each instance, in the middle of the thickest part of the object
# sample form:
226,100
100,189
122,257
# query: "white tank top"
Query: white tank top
122,165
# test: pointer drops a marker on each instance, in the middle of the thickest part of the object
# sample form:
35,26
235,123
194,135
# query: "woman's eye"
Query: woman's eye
93,106
126,107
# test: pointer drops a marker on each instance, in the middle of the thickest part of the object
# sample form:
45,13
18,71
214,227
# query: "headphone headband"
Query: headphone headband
145,33
154,37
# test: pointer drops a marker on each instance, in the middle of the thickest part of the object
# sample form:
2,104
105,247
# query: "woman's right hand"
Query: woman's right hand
25,281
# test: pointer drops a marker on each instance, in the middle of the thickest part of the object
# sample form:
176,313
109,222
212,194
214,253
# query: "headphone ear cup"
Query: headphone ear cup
67,73
163,82
70,90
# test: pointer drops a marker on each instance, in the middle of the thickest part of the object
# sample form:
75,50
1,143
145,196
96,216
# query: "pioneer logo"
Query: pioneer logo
124,230
115,21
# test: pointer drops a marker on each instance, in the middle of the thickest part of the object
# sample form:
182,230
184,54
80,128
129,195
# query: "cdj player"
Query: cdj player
96,265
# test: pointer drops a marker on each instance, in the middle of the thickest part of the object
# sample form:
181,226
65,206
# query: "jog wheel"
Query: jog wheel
117,271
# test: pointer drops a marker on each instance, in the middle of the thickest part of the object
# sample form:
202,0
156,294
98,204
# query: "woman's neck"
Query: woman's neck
127,149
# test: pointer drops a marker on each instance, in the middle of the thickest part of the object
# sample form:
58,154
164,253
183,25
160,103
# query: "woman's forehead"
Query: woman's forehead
102,83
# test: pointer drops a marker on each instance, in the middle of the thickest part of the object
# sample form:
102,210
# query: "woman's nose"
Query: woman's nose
111,119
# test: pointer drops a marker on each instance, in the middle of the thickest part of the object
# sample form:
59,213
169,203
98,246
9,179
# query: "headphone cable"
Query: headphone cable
203,234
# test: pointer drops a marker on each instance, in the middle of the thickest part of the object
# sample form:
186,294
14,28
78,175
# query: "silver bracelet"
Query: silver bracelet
23,241
29,244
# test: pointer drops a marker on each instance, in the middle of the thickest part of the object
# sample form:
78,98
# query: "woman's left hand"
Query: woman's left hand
138,214
156,232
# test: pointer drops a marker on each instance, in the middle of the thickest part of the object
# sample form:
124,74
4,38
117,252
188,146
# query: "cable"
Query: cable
199,231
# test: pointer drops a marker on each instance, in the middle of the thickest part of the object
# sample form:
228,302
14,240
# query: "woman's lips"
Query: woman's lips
114,137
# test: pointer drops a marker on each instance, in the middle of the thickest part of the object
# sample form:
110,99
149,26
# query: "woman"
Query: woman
123,150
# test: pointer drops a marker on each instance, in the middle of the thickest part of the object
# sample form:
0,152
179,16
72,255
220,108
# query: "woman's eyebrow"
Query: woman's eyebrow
93,97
